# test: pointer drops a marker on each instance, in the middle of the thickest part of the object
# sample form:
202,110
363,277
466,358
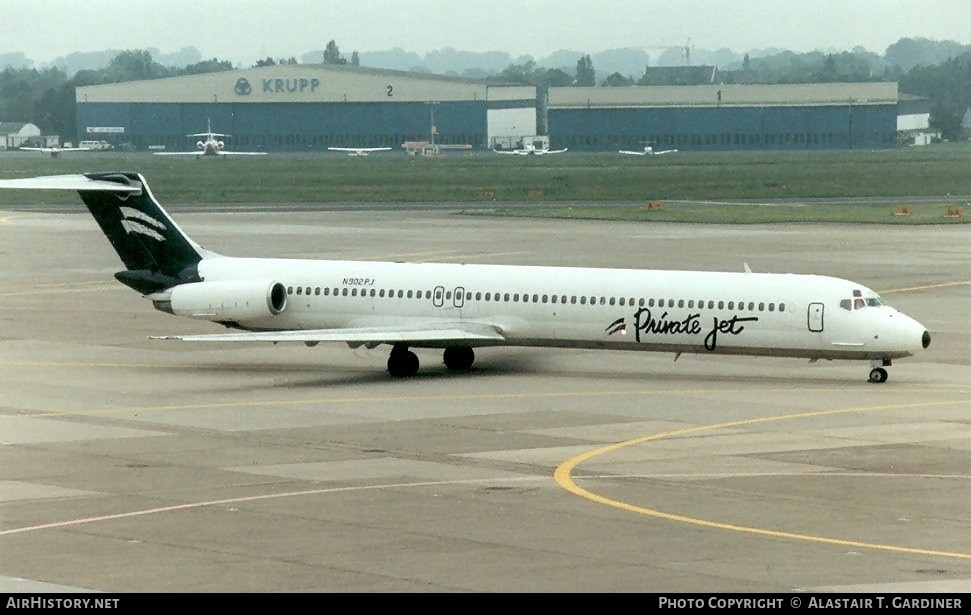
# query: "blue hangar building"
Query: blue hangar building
725,117
306,107
310,107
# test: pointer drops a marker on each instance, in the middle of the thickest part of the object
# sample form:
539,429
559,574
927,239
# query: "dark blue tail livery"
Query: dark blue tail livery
155,251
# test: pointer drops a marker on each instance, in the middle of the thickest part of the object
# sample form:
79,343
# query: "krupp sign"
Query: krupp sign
288,85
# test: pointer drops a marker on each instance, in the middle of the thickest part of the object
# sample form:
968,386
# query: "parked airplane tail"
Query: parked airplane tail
156,253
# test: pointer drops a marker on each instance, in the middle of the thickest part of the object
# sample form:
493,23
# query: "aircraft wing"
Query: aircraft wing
202,153
555,151
355,336
648,152
50,150
359,150
513,152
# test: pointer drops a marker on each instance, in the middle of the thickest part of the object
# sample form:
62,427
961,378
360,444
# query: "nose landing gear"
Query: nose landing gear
878,374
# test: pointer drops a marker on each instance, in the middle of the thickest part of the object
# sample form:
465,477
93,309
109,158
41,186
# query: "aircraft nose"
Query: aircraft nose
925,340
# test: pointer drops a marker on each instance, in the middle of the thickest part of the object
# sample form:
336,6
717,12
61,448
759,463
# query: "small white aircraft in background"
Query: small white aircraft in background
55,151
647,151
530,150
457,307
359,151
210,146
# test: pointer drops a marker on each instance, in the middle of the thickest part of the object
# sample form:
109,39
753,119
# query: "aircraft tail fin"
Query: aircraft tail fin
156,253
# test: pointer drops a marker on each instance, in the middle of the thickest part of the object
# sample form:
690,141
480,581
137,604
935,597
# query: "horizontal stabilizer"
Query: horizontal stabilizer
69,182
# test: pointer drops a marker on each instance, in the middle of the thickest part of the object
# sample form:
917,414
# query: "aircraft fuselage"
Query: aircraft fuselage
626,309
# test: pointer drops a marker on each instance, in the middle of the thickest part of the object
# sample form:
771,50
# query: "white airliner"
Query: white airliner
210,146
55,151
530,150
647,151
359,151
458,307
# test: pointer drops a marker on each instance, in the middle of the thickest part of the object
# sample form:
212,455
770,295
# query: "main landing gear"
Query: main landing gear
403,363
878,374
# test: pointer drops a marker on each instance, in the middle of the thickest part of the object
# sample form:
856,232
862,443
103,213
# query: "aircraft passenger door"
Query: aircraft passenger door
458,298
815,317
438,296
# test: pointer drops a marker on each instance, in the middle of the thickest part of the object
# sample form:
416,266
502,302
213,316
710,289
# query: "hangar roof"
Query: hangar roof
725,95
303,83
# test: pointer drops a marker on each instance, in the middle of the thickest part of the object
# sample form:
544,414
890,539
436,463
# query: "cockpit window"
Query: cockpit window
858,302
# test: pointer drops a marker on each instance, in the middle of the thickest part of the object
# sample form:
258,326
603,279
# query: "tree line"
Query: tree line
46,97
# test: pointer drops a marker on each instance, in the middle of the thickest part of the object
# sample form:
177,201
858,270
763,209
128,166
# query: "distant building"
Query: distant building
306,107
16,134
725,117
913,121
680,75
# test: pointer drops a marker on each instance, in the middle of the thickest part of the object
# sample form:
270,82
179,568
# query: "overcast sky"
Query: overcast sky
243,31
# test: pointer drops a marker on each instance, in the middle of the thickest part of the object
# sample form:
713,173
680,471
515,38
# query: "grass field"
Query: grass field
605,186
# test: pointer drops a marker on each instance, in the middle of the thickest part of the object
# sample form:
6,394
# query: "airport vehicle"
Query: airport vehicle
459,307
55,151
647,151
359,151
210,145
530,150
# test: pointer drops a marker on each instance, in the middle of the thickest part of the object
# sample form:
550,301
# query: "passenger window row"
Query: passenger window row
741,305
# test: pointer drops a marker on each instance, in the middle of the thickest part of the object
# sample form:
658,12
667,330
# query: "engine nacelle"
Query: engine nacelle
229,301
200,145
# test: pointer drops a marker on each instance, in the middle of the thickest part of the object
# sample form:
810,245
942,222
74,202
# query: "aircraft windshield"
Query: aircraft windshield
858,302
